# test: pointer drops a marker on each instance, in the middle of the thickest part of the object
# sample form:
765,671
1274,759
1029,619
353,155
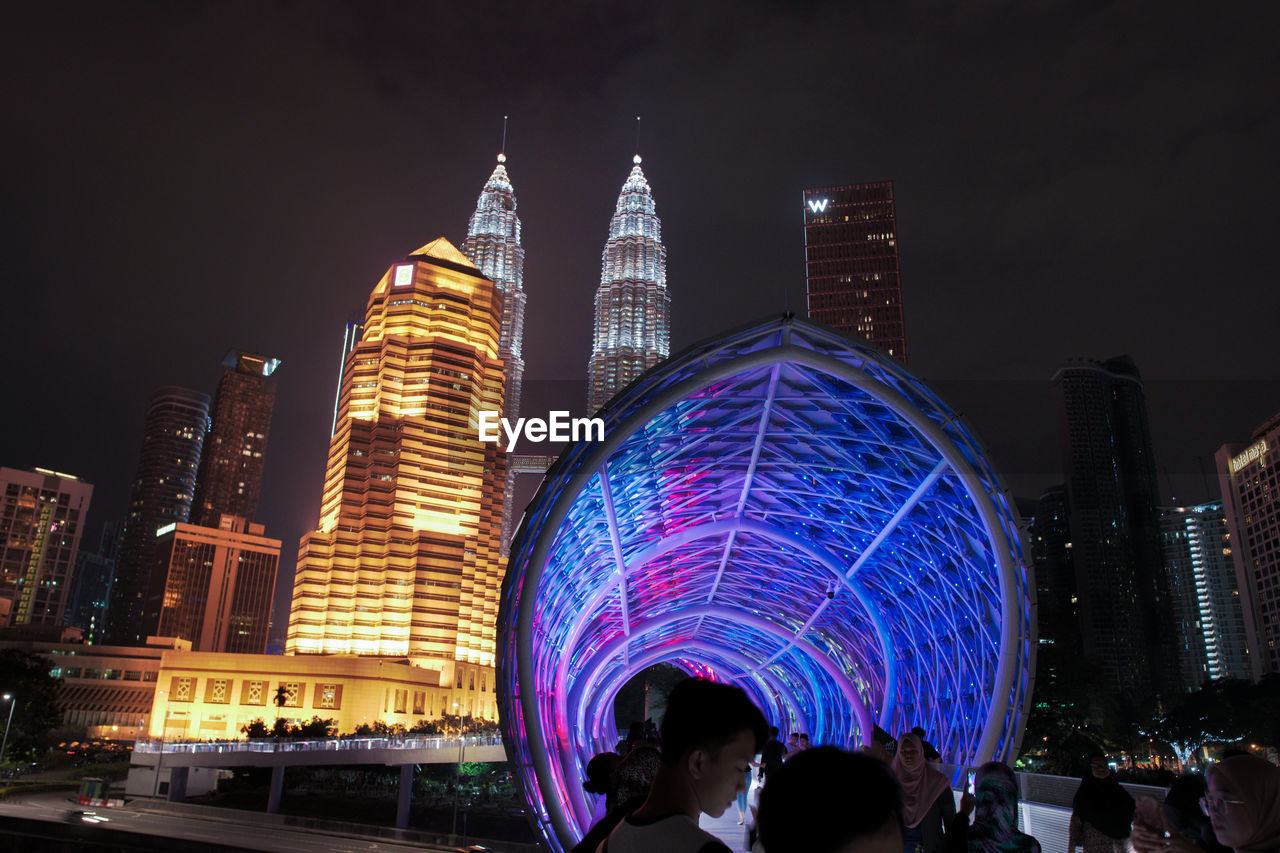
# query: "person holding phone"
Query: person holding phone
995,823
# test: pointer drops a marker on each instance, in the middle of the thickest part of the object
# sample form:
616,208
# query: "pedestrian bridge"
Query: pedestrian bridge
167,770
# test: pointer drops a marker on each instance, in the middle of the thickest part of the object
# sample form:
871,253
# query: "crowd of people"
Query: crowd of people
715,750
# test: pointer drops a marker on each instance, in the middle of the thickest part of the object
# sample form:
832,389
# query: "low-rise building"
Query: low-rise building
209,695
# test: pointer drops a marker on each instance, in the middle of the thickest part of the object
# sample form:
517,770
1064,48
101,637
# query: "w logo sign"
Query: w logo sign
818,205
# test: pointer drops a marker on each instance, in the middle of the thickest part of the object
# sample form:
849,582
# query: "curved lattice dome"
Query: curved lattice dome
782,508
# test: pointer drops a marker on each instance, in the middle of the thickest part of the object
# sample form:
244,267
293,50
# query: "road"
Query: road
57,807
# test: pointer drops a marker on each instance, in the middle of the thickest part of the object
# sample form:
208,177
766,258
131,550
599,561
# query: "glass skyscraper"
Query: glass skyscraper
633,307
493,244
163,492
234,454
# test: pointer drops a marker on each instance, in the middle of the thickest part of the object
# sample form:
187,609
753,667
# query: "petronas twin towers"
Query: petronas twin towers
633,307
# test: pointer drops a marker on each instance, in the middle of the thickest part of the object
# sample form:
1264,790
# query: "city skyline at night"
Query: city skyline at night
239,203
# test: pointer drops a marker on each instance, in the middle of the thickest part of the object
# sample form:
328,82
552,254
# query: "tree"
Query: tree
26,678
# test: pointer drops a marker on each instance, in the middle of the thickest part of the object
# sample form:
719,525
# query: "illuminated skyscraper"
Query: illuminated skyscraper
163,491
633,307
1205,600
405,561
851,263
493,245
231,463
1249,476
41,519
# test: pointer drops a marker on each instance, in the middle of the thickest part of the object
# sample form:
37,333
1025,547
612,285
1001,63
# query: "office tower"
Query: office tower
1116,549
1251,498
851,263
1204,599
405,561
230,478
493,245
162,493
213,585
40,525
90,589
633,307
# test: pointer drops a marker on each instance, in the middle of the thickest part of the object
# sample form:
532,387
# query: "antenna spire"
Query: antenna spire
637,136
502,151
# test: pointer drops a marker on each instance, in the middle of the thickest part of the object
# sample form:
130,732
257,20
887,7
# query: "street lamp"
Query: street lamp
8,697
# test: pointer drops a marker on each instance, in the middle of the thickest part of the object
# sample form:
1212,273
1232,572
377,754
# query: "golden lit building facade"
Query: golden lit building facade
406,559
201,695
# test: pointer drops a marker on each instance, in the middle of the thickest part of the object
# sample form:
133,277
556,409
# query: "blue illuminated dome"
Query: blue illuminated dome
785,509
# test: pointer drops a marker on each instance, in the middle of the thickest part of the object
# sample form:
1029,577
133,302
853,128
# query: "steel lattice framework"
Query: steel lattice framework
786,509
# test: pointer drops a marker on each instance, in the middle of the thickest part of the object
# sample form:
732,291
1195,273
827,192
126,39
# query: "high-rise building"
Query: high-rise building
91,585
163,491
851,263
230,478
1050,534
213,585
1112,502
633,307
41,520
1204,600
1250,486
493,245
405,560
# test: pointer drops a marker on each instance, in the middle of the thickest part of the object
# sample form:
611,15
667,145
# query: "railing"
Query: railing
326,745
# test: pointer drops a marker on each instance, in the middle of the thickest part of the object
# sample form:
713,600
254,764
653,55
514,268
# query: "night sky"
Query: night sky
1085,179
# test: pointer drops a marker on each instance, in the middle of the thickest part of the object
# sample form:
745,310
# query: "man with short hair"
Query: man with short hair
710,733
826,800
771,755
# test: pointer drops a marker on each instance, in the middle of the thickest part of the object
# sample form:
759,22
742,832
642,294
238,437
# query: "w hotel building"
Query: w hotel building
405,561
851,263
1250,479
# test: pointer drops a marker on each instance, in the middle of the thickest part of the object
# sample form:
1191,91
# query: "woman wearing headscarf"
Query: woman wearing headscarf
927,803
995,823
1102,811
1243,804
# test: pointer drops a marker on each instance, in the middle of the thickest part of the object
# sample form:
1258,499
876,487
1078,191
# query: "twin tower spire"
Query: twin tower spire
632,306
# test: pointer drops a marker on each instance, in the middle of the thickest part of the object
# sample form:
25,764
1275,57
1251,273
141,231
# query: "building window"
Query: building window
217,691
251,693
402,701
182,689
327,695
419,703
292,694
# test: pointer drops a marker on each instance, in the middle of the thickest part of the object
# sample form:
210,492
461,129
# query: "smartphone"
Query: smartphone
968,784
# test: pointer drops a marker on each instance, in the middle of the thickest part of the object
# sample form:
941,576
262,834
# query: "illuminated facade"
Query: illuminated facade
1120,582
852,279
633,307
41,521
204,695
213,585
1250,486
493,245
1204,597
785,509
163,491
405,561
231,462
